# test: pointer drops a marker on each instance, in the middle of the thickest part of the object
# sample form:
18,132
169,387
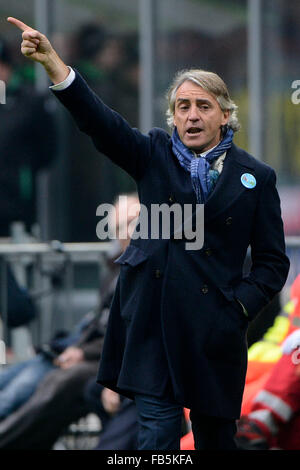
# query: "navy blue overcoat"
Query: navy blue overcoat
174,317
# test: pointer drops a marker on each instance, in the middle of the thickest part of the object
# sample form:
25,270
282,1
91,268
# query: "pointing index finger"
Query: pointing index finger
19,24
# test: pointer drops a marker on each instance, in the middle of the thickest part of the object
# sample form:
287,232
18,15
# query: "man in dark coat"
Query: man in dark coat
177,328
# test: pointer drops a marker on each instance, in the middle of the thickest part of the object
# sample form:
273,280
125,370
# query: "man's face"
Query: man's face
198,117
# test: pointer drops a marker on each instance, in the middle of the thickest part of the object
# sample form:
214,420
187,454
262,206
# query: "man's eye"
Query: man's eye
205,107
183,107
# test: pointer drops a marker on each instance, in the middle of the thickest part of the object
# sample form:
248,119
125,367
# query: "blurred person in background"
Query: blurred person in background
274,419
118,416
40,397
21,157
110,63
104,59
271,402
97,54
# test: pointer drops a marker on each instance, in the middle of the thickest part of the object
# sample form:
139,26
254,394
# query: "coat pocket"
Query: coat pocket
132,256
228,293
132,280
226,342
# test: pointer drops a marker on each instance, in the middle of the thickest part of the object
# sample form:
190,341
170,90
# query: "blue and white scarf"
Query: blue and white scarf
203,179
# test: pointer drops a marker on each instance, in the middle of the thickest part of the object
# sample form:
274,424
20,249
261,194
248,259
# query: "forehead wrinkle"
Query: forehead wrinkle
195,95
190,90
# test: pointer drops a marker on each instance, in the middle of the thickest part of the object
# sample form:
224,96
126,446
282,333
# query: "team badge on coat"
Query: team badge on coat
248,180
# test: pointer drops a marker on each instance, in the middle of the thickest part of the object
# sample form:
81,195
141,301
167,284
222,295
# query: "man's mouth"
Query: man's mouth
194,130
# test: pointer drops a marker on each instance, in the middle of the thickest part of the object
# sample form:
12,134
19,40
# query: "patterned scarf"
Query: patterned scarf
203,179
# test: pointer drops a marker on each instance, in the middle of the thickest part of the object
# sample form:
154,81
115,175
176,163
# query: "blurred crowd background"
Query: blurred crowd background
102,39
52,179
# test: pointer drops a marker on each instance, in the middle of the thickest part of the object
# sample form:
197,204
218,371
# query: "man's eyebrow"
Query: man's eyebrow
187,100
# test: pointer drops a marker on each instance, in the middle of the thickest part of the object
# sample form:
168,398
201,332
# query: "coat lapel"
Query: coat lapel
229,186
227,190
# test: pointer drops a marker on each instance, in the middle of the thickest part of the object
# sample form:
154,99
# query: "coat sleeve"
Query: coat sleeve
111,134
270,265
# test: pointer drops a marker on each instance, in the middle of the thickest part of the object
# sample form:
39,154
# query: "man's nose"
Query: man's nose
193,113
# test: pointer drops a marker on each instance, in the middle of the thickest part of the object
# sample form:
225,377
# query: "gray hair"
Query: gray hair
210,82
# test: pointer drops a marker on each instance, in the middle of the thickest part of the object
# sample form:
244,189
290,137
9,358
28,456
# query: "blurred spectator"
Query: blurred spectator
99,56
271,401
118,417
274,419
21,156
19,381
59,398
109,63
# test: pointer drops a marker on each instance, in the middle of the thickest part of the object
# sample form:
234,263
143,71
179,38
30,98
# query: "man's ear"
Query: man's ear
174,121
226,115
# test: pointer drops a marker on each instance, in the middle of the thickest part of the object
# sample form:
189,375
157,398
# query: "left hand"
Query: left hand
110,400
69,358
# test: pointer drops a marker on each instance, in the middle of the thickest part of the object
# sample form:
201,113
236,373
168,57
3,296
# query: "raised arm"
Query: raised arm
111,134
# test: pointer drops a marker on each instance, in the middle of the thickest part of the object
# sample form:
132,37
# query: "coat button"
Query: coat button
157,273
204,289
208,251
228,221
171,198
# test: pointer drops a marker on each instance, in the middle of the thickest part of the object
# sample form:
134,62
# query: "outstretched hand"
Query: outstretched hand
35,45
